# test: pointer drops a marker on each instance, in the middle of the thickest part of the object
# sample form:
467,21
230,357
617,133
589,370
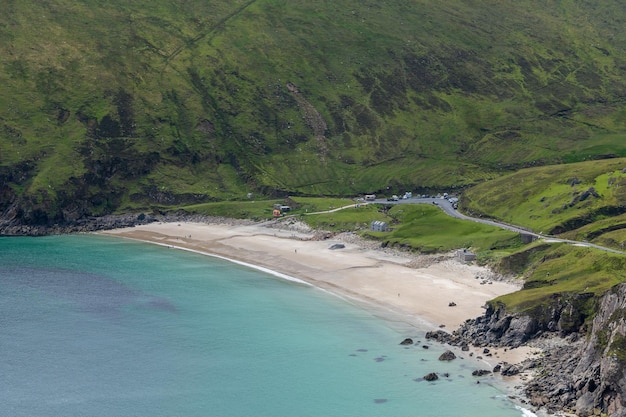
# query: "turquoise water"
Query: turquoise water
98,326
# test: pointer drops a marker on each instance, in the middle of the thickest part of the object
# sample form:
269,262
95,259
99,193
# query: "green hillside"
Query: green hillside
111,106
583,201
580,201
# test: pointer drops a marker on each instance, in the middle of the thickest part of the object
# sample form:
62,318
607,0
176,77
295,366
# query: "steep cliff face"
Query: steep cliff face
585,372
561,315
583,368
600,377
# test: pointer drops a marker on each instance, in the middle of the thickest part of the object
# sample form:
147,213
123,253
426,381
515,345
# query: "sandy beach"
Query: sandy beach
427,292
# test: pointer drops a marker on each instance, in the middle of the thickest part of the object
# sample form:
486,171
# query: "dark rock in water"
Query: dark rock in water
431,377
425,346
481,372
407,341
497,368
380,400
337,246
448,355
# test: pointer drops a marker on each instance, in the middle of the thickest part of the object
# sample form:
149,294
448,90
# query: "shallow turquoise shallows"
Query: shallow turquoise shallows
98,326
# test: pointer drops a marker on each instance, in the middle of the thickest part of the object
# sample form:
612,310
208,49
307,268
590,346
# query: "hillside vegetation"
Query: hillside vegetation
580,201
121,105
583,201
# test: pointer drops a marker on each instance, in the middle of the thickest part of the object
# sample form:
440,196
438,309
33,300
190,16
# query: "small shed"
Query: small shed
379,226
465,256
527,238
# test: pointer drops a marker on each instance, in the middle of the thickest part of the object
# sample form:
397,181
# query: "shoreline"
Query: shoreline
423,291
414,290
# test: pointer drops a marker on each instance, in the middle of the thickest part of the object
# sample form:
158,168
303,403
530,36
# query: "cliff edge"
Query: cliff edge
583,367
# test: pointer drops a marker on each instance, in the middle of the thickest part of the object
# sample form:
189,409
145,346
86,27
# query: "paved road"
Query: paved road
448,208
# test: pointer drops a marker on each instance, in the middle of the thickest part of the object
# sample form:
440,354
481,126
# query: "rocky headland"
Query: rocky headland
581,370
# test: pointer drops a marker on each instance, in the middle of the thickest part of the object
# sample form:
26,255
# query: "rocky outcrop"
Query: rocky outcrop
583,366
551,387
81,225
582,370
13,227
589,376
562,315
498,328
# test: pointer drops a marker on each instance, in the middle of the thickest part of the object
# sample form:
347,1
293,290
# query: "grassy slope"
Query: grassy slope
125,104
549,199
263,209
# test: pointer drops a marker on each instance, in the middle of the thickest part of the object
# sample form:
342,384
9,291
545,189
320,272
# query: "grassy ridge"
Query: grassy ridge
263,209
553,273
581,201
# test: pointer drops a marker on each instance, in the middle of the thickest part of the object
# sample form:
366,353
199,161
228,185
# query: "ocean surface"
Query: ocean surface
100,326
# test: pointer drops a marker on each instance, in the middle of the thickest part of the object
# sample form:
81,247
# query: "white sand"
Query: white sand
386,279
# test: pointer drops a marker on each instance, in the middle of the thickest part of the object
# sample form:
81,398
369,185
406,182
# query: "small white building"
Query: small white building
379,226
465,256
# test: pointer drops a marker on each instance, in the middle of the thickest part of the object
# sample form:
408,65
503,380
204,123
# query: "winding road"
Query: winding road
448,208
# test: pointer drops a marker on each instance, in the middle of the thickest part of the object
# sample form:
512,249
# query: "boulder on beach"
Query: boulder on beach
510,370
448,355
337,246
